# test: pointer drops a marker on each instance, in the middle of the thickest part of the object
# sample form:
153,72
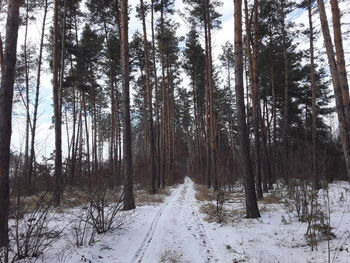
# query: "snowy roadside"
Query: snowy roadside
177,231
278,236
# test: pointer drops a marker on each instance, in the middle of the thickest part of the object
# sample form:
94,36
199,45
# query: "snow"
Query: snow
176,231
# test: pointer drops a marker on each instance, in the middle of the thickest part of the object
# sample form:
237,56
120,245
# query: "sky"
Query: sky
45,134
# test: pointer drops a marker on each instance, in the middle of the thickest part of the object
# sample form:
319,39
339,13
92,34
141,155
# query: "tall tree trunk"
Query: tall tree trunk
79,142
313,91
95,133
129,202
75,135
163,119
36,101
157,135
286,94
265,157
149,100
27,99
112,155
57,109
274,113
167,121
339,51
343,124
207,101
87,137
253,79
1,55
213,131
256,104
6,97
119,141
250,195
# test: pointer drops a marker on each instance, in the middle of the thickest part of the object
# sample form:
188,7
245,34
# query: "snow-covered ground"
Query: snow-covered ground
278,236
176,231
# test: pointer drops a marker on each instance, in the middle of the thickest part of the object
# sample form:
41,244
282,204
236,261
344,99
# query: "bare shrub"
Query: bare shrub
82,231
298,199
215,210
100,211
203,193
30,231
302,200
220,210
105,212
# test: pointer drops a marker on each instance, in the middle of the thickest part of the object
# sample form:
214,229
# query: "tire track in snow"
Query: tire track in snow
198,230
140,253
209,252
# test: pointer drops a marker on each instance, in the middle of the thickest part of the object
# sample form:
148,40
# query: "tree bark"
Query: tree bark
339,51
149,100
313,92
36,101
1,55
27,99
129,202
207,100
286,94
156,96
253,79
163,118
250,195
343,127
6,97
212,113
57,109
87,138
274,113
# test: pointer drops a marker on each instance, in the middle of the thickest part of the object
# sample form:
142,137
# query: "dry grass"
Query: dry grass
170,256
203,194
74,196
272,198
219,213
238,213
31,202
210,212
144,197
213,214
235,197
28,204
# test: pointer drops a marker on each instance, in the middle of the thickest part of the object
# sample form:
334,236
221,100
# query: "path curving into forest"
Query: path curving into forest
176,231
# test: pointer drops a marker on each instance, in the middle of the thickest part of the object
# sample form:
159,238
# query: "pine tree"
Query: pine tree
37,94
205,13
152,148
194,66
6,96
337,85
57,106
252,210
129,202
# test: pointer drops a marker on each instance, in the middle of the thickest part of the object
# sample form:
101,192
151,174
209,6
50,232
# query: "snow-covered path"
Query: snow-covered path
173,230
177,231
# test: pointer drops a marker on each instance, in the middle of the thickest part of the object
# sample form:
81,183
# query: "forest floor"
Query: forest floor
177,230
